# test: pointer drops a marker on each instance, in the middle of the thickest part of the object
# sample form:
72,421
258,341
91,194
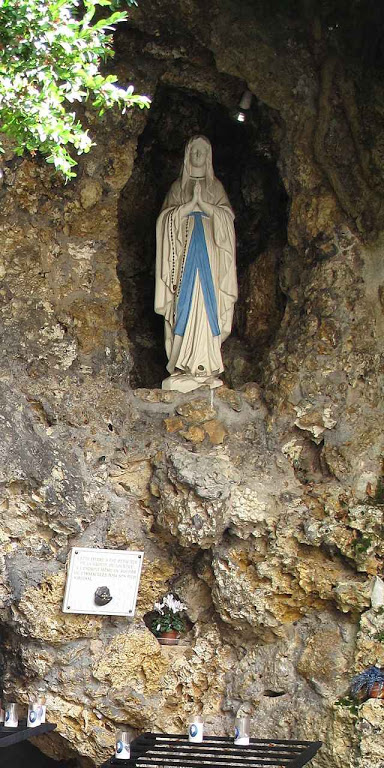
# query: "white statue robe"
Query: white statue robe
198,351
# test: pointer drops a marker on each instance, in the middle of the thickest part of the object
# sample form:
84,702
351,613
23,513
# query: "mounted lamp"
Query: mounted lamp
244,105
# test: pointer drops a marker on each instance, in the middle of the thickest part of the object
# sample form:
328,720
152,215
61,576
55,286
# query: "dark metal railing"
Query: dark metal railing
175,751
10,736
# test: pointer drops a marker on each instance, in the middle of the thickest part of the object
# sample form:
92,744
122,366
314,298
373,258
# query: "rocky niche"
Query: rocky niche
245,161
261,506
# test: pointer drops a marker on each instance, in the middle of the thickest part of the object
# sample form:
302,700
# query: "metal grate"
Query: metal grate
10,736
175,751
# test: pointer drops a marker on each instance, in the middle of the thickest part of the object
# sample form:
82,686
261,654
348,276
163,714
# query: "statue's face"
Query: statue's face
198,154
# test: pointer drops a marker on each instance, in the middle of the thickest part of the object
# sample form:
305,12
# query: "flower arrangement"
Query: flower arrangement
168,617
369,684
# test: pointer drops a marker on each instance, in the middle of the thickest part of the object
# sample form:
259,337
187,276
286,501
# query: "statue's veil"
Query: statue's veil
186,169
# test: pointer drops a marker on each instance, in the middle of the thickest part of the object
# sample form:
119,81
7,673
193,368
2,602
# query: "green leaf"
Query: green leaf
51,55
115,18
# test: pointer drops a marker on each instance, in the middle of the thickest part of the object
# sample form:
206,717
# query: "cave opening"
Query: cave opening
20,755
245,160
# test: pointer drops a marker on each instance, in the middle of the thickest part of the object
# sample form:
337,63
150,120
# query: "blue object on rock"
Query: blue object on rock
368,684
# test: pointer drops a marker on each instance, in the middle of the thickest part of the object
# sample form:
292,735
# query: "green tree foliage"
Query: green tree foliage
50,57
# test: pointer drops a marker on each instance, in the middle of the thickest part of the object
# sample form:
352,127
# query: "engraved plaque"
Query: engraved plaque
102,581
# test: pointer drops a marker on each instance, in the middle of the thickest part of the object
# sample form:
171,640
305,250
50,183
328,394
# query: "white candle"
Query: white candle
11,719
34,715
122,750
196,730
42,708
242,731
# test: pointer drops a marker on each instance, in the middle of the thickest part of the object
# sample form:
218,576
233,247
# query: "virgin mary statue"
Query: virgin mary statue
196,286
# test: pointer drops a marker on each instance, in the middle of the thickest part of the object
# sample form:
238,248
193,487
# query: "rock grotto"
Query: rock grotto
261,507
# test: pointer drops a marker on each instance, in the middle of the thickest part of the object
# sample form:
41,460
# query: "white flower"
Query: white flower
174,605
170,603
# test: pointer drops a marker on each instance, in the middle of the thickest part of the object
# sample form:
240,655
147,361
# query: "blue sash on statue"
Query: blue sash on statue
197,260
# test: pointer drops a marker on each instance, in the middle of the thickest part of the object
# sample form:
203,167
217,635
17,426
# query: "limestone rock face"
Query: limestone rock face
260,505
193,492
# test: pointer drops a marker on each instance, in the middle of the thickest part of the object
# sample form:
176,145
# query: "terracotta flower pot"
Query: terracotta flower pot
169,638
377,691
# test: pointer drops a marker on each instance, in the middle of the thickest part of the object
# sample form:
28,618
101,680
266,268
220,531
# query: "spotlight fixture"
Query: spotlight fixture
244,104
